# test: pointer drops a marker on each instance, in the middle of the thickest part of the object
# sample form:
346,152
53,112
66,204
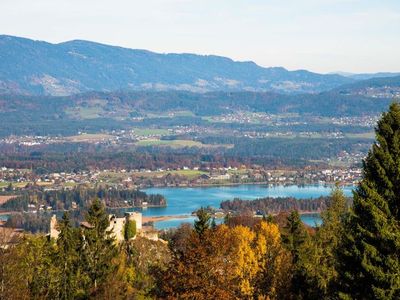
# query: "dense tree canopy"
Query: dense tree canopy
370,256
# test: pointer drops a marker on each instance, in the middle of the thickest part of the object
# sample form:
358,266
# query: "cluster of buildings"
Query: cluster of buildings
245,117
30,141
183,177
386,92
363,121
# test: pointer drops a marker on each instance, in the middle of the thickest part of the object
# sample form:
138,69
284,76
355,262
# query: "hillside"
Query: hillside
115,110
379,87
40,68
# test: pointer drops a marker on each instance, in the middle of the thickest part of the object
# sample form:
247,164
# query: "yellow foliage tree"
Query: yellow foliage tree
245,259
273,263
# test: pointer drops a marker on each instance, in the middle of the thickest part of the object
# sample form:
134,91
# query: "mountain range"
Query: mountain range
40,68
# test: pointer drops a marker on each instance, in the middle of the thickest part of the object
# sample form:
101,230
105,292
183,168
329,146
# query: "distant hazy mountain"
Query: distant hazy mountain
365,76
379,87
41,68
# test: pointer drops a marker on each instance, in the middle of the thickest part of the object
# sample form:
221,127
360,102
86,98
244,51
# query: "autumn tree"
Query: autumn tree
13,273
274,263
34,264
228,263
203,269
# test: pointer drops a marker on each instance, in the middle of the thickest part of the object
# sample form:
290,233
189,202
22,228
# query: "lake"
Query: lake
183,201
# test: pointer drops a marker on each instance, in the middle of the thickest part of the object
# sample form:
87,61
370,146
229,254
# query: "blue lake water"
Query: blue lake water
183,201
4,217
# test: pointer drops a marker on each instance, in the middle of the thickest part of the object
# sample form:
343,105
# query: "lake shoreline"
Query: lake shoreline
228,184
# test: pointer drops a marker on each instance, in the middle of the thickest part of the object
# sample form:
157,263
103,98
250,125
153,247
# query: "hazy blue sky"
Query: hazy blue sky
320,35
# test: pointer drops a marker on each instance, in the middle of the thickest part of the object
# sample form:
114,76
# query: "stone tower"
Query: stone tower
53,228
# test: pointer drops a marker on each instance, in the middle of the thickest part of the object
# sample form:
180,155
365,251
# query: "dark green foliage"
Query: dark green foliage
370,254
203,222
30,222
82,195
67,258
294,238
276,205
319,261
129,229
97,246
270,152
46,115
294,235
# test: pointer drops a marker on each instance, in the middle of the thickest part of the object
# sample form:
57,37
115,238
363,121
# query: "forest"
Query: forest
271,152
50,115
81,196
266,206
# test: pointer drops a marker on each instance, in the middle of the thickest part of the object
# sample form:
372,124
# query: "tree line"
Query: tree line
270,205
80,197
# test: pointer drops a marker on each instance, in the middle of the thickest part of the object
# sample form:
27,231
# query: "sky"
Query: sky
318,35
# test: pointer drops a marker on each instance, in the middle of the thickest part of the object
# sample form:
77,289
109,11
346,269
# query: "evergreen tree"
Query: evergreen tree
370,254
129,230
203,222
295,238
319,258
294,235
213,224
66,258
98,246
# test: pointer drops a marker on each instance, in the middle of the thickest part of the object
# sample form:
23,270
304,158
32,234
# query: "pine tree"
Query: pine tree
294,238
98,246
66,258
370,254
203,222
295,235
319,258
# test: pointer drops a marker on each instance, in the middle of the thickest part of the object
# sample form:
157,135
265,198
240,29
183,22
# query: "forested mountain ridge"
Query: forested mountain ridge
94,111
332,103
379,87
40,68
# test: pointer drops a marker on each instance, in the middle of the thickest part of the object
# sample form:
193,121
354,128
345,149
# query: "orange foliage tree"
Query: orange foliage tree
228,263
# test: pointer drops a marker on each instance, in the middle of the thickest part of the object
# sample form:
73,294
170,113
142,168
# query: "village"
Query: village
14,179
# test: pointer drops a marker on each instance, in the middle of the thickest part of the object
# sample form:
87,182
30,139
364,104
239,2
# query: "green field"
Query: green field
14,184
92,137
364,135
150,131
190,174
85,112
172,143
177,143
171,114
